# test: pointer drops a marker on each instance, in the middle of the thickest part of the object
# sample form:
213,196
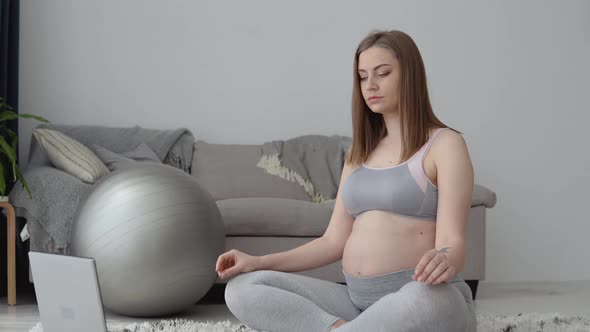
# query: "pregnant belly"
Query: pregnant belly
382,242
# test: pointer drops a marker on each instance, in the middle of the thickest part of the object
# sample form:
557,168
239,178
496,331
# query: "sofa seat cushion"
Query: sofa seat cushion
271,216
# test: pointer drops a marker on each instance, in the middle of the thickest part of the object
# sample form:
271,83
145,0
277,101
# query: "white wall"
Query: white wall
510,75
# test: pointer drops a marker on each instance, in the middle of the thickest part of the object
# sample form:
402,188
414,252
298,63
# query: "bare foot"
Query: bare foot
338,323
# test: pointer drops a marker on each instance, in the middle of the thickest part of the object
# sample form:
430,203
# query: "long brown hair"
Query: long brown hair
416,115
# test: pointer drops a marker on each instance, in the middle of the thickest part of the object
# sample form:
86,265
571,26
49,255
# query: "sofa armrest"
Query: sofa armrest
56,197
483,196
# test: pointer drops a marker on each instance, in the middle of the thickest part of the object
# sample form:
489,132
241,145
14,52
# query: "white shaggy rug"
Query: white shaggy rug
528,322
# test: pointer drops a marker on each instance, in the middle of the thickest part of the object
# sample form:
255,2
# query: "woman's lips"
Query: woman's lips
374,99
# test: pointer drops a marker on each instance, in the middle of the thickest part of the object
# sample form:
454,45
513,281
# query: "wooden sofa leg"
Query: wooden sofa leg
473,285
10,251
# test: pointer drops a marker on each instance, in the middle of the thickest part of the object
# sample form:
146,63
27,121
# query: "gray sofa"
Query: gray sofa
264,213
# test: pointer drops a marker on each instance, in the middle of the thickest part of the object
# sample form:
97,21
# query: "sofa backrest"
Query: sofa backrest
230,171
173,146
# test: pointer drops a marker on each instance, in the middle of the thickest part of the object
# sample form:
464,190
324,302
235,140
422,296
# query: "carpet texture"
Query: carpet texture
526,322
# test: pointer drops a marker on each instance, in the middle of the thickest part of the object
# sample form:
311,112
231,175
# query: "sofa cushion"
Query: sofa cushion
230,171
70,156
270,216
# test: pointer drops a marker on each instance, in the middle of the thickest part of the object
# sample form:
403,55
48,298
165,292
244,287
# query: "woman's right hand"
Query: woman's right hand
234,262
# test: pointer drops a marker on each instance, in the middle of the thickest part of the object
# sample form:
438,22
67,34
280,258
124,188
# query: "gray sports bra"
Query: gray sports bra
403,189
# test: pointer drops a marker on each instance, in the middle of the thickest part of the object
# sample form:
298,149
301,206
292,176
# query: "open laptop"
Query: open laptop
67,293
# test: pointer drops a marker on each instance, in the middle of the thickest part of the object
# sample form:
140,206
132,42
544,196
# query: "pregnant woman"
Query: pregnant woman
398,224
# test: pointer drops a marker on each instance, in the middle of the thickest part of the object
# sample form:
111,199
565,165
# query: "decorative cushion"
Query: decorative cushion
230,171
141,153
70,156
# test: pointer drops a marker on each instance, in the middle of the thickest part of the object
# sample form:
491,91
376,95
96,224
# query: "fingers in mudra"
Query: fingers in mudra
429,263
437,273
446,276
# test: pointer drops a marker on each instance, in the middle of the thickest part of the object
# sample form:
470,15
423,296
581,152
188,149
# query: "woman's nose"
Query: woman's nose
371,85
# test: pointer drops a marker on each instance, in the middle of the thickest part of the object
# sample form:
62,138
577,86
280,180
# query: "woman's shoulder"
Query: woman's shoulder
442,131
448,142
446,134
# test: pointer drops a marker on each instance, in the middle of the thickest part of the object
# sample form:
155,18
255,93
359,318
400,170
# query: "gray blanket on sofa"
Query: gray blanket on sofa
313,161
57,194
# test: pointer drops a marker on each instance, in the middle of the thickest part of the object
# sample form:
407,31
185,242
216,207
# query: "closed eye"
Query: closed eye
381,75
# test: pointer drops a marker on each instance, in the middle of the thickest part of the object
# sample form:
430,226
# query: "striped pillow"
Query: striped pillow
70,156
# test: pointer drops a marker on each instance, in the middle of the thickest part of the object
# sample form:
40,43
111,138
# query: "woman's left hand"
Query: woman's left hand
434,268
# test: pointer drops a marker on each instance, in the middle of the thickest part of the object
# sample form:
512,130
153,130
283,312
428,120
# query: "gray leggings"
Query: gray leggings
275,301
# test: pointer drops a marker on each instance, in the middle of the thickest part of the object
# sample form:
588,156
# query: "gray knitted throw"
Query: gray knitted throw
313,161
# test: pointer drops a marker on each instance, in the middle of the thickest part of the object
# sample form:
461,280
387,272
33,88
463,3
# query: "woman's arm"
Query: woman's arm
454,173
311,255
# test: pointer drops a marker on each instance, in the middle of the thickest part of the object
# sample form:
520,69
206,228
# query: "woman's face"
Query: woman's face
379,76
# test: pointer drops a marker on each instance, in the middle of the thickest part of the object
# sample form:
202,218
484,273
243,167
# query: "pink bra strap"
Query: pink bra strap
416,165
428,144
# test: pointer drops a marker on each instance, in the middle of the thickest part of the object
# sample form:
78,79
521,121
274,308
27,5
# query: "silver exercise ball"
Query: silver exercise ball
155,234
